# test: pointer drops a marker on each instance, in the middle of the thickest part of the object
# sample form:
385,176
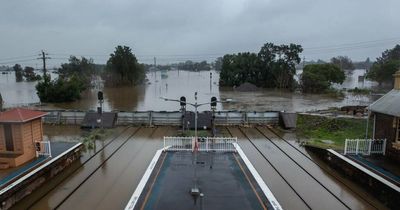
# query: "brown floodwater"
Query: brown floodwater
176,83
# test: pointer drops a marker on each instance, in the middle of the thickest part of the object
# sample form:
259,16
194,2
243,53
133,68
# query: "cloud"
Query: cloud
175,30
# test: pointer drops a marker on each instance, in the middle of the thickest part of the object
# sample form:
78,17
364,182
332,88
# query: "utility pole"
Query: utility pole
43,57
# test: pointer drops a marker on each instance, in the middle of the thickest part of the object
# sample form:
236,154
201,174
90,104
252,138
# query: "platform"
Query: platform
225,181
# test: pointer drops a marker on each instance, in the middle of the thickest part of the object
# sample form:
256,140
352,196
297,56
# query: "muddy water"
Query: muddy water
184,83
316,196
111,186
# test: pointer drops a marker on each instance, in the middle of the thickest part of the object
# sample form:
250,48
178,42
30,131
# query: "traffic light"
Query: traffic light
183,101
213,101
100,96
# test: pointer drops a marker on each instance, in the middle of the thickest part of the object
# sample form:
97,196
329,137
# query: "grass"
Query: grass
328,132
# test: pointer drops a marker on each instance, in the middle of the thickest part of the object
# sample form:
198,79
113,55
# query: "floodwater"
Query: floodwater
176,83
295,179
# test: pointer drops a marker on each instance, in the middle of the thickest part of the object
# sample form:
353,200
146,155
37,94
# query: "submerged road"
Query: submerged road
295,179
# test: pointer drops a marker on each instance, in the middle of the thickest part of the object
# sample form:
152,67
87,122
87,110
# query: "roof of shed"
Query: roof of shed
19,115
388,104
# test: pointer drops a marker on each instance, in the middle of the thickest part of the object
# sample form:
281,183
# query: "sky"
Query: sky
179,30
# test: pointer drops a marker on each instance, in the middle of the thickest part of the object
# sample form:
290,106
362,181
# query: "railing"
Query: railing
365,146
43,148
75,117
172,143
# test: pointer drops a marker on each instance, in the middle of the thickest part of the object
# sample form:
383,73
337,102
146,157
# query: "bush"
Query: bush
317,78
60,90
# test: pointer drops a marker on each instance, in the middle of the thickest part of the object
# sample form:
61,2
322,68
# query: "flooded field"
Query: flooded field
176,83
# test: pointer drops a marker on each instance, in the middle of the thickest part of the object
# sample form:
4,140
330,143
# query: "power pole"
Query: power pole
43,57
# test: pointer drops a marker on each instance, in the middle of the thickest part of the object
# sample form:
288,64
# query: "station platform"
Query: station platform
374,172
223,179
7,176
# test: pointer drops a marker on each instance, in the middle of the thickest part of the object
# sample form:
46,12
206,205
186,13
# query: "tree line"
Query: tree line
122,68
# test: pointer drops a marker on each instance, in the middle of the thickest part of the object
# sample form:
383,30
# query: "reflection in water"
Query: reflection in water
176,83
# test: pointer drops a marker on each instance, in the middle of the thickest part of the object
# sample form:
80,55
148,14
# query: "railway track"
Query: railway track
79,175
294,166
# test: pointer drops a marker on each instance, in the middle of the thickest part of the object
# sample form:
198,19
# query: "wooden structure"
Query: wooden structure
19,130
386,115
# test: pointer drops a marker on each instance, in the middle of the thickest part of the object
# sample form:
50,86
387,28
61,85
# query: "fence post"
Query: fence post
48,143
369,145
357,146
164,143
345,146
384,146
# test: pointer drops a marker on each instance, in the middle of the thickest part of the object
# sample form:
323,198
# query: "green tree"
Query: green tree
273,67
317,78
123,68
61,89
18,73
343,62
30,75
278,64
1,102
83,67
385,66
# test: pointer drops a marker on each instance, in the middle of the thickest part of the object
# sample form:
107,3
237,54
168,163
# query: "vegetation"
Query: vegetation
123,68
18,73
74,77
30,75
272,67
90,140
83,68
343,62
318,78
385,66
61,89
330,132
360,91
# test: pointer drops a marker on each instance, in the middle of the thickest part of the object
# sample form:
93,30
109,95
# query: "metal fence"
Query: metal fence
365,146
43,148
172,143
72,117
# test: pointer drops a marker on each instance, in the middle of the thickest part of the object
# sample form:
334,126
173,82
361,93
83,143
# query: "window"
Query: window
9,137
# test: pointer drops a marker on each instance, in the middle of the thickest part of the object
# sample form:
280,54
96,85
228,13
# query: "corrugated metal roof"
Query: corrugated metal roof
388,104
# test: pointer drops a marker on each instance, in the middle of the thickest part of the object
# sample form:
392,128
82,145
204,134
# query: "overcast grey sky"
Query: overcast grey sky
177,30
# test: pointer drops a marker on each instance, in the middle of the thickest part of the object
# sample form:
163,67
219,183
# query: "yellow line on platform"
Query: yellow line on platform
248,179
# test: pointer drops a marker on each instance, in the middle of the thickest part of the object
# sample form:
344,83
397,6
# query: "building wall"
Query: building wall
24,137
384,129
31,132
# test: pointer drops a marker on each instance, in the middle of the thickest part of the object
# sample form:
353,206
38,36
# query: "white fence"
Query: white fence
43,148
365,146
172,143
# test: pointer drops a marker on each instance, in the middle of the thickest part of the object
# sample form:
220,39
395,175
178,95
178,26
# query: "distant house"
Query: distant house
386,114
19,130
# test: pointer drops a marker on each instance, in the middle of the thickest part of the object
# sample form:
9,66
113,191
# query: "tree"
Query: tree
123,68
84,68
385,66
343,62
30,75
317,78
61,89
273,67
18,73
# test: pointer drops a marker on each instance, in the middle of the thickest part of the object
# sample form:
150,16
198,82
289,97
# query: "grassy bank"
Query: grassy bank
330,132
